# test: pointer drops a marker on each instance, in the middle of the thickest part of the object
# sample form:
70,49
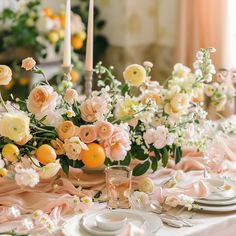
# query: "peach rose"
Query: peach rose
155,97
42,99
93,108
66,130
73,147
57,144
104,129
5,75
24,140
70,96
28,63
198,96
117,146
178,105
87,133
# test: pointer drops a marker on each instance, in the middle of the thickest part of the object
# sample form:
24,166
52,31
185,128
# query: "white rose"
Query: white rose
146,185
49,170
172,201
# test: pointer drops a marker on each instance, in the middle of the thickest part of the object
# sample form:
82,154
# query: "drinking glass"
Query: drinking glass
118,184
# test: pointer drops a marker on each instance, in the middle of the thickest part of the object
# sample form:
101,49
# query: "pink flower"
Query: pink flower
104,129
158,137
70,96
117,145
150,136
42,99
93,108
161,139
87,133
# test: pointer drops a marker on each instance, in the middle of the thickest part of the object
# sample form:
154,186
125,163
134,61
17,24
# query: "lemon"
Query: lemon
10,152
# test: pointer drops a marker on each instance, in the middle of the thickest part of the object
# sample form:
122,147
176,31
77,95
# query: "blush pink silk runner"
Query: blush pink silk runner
54,196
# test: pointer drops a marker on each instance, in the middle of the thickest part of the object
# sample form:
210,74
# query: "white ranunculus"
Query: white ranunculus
44,25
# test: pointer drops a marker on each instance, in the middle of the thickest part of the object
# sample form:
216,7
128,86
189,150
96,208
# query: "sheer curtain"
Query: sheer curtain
168,31
204,23
140,30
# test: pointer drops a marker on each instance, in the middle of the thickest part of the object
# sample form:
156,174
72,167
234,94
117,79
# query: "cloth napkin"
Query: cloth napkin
131,230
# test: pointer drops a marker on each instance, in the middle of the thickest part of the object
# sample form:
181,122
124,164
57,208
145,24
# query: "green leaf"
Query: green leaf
124,89
154,164
157,153
127,159
64,161
141,168
108,162
177,154
76,164
138,153
98,194
164,156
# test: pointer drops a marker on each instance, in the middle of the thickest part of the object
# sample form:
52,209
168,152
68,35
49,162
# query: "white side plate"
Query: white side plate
150,221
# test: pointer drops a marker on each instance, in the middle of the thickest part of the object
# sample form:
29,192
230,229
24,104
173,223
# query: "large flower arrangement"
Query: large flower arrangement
138,121
30,26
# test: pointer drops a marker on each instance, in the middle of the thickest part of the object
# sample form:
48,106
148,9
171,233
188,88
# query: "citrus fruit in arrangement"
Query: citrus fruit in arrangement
10,152
46,154
94,156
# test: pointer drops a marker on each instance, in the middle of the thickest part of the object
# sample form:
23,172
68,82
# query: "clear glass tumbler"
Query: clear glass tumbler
118,184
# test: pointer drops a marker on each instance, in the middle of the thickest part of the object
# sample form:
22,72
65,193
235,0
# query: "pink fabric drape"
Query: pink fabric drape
202,24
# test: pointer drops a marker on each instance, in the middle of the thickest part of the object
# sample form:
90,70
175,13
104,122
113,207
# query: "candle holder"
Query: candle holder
88,83
67,70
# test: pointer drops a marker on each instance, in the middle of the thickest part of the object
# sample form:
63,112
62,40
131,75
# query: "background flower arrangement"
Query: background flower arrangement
30,30
138,121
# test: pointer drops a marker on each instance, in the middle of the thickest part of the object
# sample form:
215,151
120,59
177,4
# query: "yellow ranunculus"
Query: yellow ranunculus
146,185
14,126
135,75
126,108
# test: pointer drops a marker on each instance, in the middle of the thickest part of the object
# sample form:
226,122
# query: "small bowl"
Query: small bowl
217,183
111,221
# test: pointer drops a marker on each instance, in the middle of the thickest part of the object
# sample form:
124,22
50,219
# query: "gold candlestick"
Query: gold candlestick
67,70
88,83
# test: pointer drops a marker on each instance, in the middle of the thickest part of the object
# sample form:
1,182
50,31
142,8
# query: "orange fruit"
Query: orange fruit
94,156
46,154
74,75
10,152
23,81
48,12
76,42
62,19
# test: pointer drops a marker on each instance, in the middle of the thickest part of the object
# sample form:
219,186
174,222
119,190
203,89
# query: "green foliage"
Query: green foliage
127,159
141,168
165,156
154,164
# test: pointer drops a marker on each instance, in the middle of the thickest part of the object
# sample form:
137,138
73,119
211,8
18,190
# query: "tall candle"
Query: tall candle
89,46
67,42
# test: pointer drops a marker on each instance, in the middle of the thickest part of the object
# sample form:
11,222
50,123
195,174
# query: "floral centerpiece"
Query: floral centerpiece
138,122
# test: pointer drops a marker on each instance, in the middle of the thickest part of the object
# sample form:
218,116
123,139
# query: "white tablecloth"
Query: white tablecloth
204,225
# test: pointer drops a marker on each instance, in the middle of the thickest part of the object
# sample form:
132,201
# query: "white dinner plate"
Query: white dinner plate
216,202
150,221
218,208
